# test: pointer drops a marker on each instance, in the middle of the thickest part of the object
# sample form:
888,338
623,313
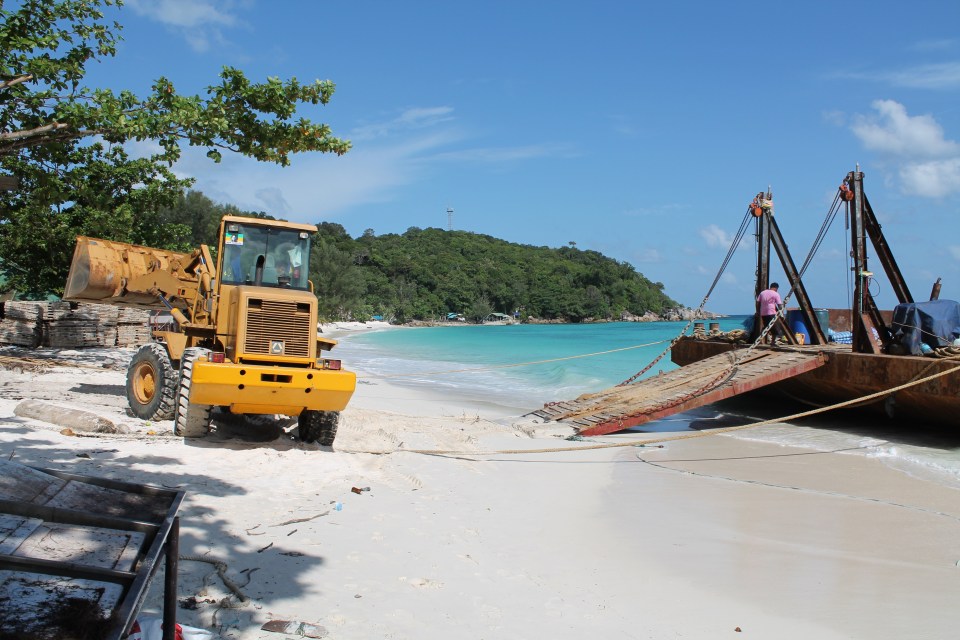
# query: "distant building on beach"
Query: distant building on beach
499,317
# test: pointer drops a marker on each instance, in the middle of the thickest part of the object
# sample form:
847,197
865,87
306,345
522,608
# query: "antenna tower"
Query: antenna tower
449,219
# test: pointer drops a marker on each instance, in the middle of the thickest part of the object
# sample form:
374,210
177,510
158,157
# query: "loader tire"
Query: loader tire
152,383
329,421
318,426
190,420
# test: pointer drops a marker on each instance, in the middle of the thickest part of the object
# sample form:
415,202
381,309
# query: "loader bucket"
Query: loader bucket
101,271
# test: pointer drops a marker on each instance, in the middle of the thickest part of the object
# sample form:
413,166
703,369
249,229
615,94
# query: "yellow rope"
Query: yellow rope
517,364
683,436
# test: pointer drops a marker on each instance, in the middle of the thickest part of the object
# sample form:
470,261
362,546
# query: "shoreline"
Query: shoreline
776,540
342,327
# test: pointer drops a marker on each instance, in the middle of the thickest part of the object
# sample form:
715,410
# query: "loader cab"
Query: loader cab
264,253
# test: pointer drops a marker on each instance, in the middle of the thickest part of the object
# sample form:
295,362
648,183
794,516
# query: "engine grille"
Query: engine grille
272,320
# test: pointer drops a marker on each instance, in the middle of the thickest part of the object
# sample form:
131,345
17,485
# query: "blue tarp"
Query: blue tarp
936,322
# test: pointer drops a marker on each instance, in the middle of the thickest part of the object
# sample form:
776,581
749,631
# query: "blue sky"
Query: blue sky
641,130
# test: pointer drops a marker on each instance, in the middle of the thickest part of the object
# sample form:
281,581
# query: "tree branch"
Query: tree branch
31,133
6,84
13,141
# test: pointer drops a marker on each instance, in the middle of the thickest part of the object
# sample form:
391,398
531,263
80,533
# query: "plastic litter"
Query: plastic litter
151,628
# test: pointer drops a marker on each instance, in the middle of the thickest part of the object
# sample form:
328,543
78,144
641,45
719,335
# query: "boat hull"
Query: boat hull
848,376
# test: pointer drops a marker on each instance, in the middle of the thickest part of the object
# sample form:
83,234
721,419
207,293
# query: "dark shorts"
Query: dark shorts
766,320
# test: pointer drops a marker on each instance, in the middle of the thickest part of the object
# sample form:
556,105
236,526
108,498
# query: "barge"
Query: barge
902,363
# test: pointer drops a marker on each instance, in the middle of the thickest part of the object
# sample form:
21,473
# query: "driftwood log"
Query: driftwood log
64,417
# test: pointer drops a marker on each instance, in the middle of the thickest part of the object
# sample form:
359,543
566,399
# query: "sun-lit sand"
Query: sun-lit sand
706,538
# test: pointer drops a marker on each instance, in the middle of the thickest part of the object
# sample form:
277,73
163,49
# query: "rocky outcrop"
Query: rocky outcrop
673,315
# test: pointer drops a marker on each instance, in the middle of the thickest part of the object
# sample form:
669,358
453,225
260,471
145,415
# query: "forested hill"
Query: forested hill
422,274
426,273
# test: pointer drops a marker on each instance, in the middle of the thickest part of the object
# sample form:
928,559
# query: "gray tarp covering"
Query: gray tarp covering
936,322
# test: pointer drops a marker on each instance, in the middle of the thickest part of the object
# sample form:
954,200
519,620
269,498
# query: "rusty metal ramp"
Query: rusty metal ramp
693,385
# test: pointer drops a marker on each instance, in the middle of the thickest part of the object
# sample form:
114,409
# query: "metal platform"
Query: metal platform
80,552
694,385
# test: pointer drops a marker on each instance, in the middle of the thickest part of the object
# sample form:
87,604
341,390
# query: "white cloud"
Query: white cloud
199,22
433,130
935,76
402,151
188,14
411,119
944,75
935,179
929,162
313,187
647,256
836,118
955,251
714,236
500,154
893,131
274,200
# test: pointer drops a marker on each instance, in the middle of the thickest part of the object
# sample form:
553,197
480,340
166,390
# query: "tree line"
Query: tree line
424,274
421,274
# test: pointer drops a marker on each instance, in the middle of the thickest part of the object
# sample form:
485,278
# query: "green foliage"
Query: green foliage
425,273
64,141
339,284
66,191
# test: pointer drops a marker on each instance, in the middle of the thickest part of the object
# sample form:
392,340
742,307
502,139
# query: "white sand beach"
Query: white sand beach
710,537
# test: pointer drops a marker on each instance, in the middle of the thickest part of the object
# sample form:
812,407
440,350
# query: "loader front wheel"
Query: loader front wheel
151,383
190,420
318,426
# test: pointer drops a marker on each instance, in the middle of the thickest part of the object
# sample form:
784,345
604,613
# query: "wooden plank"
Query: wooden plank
91,546
688,387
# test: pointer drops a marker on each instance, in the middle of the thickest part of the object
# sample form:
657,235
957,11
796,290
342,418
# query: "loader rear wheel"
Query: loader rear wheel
151,383
190,420
318,426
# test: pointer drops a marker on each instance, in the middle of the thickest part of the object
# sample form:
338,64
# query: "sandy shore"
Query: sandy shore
698,539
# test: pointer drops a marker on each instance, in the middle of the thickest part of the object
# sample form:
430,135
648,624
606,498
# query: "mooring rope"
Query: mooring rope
672,438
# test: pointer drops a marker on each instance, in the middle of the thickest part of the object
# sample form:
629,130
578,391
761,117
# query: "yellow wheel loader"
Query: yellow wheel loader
243,332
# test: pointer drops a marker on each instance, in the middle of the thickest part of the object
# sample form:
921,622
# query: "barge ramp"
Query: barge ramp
700,383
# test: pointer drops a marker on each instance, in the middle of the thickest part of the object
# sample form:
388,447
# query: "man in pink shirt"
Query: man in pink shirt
769,301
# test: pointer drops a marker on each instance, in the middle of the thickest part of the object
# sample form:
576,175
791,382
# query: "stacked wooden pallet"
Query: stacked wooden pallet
21,323
83,325
71,325
133,327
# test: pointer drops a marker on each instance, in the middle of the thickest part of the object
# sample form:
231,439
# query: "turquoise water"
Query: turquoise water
522,367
